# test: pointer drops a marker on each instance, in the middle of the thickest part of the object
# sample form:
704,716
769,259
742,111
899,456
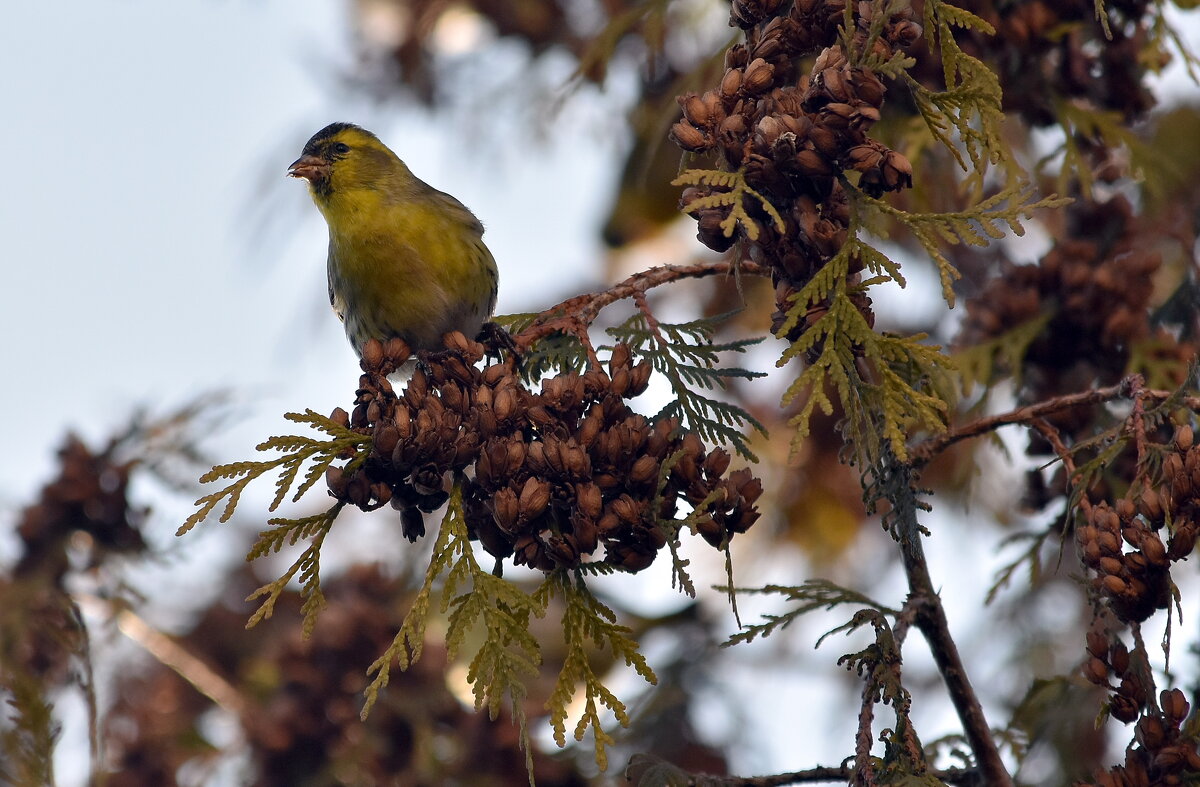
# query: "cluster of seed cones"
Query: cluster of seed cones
1096,287
1162,752
1130,563
1040,65
1097,281
792,134
1136,581
548,477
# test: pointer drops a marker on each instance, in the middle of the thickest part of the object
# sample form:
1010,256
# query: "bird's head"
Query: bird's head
343,157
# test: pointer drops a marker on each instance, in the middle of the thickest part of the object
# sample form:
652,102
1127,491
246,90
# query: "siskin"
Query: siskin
405,260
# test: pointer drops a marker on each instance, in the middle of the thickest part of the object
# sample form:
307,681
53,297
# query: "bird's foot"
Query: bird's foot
496,339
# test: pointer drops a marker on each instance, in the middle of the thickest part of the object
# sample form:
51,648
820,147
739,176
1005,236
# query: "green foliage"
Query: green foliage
980,224
1155,168
834,343
557,352
479,603
812,595
30,732
901,397
987,362
586,620
686,355
734,191
878,664
970,104
295,451
308,565
679,574
496,614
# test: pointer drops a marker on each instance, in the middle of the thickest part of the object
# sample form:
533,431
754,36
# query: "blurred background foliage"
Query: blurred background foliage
215,704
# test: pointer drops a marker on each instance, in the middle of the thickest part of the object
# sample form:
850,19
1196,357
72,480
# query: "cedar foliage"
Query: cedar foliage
827,148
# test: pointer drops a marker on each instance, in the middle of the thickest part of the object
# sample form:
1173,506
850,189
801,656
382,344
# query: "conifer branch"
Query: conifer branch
925,451
575,314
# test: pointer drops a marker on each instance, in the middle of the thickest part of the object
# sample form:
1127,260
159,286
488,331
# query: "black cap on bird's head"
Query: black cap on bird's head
317,142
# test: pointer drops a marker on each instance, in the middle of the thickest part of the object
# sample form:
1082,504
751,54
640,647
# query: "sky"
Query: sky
155,251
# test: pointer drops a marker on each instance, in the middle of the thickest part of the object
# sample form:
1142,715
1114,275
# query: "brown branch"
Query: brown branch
1137,385
925,451
961,776
574,315
1052,436
864,738
933,624
931,620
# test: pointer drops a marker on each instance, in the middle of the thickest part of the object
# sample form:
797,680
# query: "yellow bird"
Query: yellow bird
405,259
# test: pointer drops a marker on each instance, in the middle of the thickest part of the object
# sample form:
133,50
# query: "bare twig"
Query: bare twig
173,655
864,738
574,315
1046,430
967,777
1137,386
925,451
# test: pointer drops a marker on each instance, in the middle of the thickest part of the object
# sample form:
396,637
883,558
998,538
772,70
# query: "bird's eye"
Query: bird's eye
341,148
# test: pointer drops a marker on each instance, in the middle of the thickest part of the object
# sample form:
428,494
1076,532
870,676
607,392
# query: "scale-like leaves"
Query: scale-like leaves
308,565
732,195
814,594
686,355
552,354
969,107
294,452
587,624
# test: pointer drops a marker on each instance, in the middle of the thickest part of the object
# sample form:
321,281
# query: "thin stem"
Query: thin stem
925,451
961,776
574,315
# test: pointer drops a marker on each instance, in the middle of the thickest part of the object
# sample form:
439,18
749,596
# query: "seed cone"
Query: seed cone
548,477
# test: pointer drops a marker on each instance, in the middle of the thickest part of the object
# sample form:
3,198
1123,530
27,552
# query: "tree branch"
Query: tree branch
925,451
931,620
967,777
575,314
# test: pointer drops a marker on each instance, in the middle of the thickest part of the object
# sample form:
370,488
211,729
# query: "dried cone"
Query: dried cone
559,477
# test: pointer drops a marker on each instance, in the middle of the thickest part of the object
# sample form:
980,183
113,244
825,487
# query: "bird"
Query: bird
405,260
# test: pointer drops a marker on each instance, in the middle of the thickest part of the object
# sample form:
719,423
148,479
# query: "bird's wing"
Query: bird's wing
335,299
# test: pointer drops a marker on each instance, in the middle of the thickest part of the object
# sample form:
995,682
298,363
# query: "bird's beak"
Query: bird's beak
310,168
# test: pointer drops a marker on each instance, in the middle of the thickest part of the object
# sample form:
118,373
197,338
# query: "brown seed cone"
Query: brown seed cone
690,138
1096,671
759,76
1174,705
731,83
412,523
1123,708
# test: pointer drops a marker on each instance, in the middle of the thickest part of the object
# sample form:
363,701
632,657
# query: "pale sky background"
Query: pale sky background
144,151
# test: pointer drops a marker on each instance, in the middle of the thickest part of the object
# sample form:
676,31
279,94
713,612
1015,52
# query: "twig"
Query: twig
574,315
173,655
1137,386
864,738
1046,430
843,774
925,451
